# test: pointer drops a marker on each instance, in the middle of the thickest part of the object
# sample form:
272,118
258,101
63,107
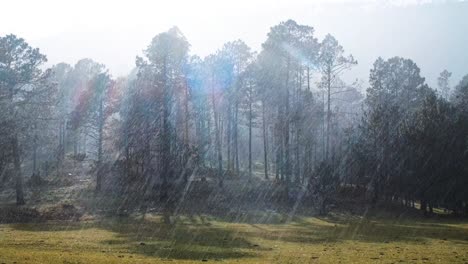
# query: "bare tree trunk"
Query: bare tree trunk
187,116
128,165
100,138
236,121
286,128
298,160
75,142
185,154
323,126
278,160
35,150
85,137
166,155
35,178
250,133
265,142
236,136
278,137
218,140
16,152
18,175
328,113
424,206
229,127
61,147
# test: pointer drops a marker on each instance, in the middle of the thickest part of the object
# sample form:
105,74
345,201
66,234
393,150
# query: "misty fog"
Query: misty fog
234,131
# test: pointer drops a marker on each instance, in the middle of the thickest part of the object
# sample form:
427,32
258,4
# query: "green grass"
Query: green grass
197,239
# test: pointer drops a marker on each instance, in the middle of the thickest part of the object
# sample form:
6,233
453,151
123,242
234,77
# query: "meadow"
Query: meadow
199,238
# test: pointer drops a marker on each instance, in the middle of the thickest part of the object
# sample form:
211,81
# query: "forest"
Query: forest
239,136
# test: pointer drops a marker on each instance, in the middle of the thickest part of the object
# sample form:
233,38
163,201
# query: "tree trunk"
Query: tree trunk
286,129
15,151
187,116
250,134
236,145
128,165
423,206
298,160
278,161
218,140
186,154
75,142
17,167
323,207
99,154
35,178
265,142
328,113
61,148
35,151
228,137
166,155
85,137
376,193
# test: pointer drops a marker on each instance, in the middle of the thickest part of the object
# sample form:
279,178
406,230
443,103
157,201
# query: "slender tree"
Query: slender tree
332,63
20,70
443,82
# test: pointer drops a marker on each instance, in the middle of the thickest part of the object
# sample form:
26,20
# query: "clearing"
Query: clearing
199,238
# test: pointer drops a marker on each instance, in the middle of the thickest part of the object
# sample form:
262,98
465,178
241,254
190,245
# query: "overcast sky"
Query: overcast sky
432,33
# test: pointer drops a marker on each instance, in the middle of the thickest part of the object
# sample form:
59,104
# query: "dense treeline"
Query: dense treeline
411,143
282,115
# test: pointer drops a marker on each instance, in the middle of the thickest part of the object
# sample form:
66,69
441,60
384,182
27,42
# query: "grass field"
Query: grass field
203,239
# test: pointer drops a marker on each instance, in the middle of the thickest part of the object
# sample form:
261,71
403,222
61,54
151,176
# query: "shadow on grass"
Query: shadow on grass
335,229
150,237
372,231
197,237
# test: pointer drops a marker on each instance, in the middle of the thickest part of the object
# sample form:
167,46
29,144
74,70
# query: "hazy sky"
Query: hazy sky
432,33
